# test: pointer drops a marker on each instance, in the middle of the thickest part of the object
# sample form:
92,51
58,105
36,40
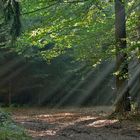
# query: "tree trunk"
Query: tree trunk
123,102
10,93
138,38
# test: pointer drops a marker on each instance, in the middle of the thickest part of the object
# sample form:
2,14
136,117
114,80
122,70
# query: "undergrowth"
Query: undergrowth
9,130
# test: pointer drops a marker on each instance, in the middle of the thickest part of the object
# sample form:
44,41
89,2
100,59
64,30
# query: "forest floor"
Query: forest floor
75,124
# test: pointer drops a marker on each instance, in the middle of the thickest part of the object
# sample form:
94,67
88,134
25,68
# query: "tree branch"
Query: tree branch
58,2
43,8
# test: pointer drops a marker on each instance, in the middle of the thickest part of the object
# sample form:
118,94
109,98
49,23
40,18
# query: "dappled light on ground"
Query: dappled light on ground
101,123
42,133
75,124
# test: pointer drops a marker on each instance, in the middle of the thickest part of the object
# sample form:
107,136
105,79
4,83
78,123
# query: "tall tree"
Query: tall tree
123,101
11,14
10,27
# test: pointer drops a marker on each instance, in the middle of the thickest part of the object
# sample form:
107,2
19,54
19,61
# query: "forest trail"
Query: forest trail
75,124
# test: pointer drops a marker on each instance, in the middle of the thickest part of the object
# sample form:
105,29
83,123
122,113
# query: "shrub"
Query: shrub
9,130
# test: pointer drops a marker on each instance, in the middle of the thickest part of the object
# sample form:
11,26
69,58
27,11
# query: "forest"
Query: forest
69,69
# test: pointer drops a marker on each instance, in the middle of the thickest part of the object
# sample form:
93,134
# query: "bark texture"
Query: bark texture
123,101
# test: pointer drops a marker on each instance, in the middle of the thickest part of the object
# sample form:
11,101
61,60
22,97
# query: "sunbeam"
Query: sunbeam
47,95
71,92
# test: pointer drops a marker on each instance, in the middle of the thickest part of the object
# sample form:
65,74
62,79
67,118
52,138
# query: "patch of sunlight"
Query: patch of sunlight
42,133
102,123
80,119
85,118
55,115
59,117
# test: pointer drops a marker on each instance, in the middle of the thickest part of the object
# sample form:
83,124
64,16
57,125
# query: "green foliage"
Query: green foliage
83,26
133,27
9,130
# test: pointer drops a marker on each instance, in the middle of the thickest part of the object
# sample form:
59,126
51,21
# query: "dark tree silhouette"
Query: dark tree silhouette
123,101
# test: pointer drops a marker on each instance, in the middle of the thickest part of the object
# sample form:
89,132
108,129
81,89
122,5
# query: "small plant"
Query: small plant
9,130
134,106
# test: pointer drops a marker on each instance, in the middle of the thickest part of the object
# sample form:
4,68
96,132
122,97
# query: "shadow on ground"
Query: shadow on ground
75,124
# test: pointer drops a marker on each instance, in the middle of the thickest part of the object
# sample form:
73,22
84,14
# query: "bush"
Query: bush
9,130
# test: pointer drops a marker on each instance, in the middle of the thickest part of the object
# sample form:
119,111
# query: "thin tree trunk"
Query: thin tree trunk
10,93
138,34
123,102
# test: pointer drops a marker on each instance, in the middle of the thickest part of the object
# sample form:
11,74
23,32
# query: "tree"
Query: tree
123,102
10,27
79,25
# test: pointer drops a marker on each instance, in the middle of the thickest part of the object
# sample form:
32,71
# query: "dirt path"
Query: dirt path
74,124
